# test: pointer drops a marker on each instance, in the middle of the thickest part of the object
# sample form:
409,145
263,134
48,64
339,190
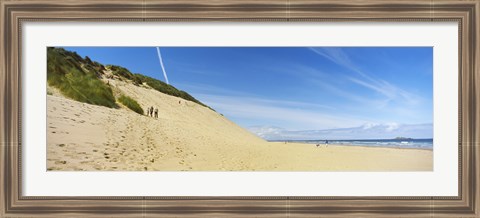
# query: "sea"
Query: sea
391,143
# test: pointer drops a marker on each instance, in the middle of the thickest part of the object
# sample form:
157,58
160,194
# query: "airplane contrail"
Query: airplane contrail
161,64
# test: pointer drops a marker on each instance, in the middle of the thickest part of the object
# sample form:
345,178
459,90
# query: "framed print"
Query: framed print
233,108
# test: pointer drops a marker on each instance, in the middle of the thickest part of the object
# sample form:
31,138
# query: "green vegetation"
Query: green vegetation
76,78
166,88
79,78
124,73
130,103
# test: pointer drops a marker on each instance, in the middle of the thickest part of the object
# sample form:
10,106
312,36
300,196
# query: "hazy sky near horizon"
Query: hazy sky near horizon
296,88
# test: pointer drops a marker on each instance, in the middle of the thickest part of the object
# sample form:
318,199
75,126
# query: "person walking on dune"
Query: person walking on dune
156,112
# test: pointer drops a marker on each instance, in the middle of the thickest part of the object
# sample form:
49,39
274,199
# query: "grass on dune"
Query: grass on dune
131,103
167,89
66,71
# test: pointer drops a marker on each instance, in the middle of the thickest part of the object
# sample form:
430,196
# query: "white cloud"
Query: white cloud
369,125
341,92
335,55
380,86
339,57
391,127
366,131
290,113
265,131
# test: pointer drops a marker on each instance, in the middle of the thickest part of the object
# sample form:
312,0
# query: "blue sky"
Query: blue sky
273,91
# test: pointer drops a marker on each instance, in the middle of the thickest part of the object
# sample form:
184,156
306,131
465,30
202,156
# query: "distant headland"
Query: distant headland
402,138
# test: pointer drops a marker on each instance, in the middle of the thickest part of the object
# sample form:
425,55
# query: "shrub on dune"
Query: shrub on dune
131,103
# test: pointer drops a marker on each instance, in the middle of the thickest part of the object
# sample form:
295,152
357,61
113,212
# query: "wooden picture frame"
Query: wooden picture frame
13,13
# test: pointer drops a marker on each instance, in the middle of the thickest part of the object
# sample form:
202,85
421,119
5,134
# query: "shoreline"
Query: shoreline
349,144
356,145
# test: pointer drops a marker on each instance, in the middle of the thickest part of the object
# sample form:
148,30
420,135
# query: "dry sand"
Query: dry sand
190,137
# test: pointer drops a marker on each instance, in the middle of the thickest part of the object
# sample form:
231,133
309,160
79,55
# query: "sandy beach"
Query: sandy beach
189,137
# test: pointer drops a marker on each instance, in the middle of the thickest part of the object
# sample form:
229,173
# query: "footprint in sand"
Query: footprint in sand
60,162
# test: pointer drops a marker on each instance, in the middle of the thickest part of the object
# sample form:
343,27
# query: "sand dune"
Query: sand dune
190,137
